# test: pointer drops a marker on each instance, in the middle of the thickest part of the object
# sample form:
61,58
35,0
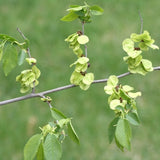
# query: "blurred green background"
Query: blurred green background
40,22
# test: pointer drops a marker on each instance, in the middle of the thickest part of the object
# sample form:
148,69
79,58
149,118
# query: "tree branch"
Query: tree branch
41,94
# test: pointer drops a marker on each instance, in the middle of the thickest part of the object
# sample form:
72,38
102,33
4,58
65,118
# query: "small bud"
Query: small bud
137,48
89,65
82,55
31,61
121,100
117,88
79,33
83,73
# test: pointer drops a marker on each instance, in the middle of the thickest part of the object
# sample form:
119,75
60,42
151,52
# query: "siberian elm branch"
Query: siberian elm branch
41,94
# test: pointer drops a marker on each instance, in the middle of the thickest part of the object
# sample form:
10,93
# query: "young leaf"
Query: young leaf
123,133
112,81
83,39
1,49
40,153
72,134
36,71
119,145
9,59
63,122
112,128
56,114
147,65
108,89
75,8
96,10
31,147
70,17
52,148
127,88
128,45
134,95
88,78
22,56
84,86
8,38
31,61
76,78
133,118
116,102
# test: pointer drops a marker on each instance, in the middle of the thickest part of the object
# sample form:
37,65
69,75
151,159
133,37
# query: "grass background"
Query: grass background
40,22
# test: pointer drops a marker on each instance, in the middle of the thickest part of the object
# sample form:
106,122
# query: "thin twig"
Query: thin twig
41,94
141,22
85,46
82,27
21,34
29,54
24,37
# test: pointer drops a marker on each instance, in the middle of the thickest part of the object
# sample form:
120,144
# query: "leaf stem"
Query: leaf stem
24,37
85,46
141,22
29,54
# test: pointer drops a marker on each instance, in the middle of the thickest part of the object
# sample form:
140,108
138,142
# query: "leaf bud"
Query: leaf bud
79,33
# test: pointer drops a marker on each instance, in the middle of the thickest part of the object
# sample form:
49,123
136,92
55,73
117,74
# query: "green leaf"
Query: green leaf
139,69
88,78
134,62
123,133
56,114
8,38
108,89
112,81
147,65
70,17
83,60
134,95
72,134
1,49
9,59
52,148
31,61
84,86
96,10
144,40
127,88
31,147
75,8
133,118
24,89
76,78
13,40
128,45
36,71
21,57
153,46
72,38
83,39
40,153
63,122
81,67
112,128
119,145
116,102
124,95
